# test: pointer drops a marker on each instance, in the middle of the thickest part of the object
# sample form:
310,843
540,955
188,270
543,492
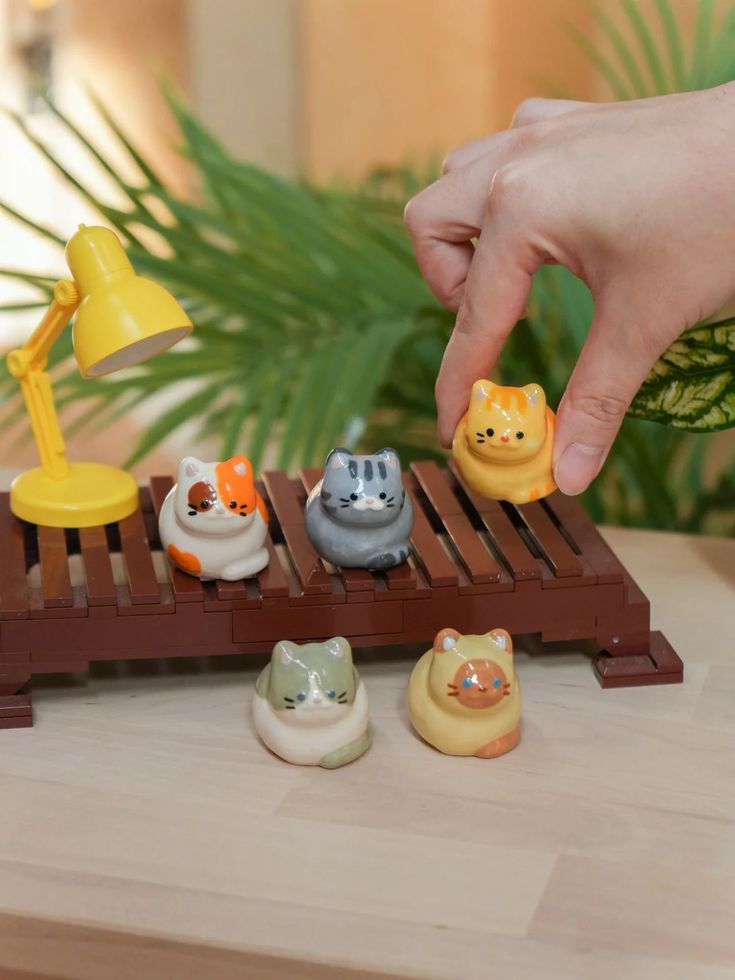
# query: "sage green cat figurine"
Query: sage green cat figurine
310,706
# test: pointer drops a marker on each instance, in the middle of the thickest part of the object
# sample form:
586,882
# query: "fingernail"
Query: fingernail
577,467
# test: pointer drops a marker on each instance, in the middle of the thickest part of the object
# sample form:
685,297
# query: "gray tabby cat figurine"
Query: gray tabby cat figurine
310,705
359,515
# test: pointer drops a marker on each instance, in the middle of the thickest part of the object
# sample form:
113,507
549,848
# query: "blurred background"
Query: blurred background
337,110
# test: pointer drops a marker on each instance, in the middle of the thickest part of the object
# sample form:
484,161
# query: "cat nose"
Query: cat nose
369,500
504,438
219,509
316,699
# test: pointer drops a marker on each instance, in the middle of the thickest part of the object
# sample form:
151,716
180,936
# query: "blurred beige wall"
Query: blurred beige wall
386,81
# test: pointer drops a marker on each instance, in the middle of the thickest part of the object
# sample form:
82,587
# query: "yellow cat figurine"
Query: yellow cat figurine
464,697
502,445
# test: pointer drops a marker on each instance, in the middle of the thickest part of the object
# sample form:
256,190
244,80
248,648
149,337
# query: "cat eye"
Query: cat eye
205,505
491,432
467,682
497,682
233,504
353,496
301,696
331,694
519,435
382,495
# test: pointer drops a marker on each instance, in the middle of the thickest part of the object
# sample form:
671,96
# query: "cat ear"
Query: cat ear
391,457
240,464
482,389
535,395
446,639
338,459
339,647
285,652
502,639
190,467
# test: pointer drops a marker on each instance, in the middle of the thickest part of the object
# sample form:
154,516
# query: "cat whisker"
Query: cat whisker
344,505
343,694
449,684
290,700
452,694
390,505
290,707
344,500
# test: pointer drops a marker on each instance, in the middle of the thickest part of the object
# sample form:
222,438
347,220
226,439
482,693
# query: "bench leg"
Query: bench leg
631,660
16,710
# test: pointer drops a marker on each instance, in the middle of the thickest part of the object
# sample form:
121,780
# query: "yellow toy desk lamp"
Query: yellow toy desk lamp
121,320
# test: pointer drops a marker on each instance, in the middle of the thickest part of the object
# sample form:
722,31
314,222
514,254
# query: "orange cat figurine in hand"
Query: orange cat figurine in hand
502,445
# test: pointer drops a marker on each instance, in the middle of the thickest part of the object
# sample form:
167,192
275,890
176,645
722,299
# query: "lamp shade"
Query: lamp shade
122,318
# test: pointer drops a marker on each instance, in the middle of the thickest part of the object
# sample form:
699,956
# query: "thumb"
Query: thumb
617,356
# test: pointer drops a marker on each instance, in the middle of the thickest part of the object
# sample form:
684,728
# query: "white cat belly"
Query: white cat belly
306,745
238,554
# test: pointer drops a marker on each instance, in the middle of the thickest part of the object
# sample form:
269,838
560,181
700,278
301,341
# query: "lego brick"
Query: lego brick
402,576
39,610
554,549
17,704
185,587
272,581
434,561
661,665
97,566
55,579
480,564
579,529
505,538
13,584
354,619
288,508
141,575
18,721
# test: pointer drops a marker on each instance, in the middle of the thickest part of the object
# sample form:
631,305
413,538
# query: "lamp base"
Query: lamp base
92,494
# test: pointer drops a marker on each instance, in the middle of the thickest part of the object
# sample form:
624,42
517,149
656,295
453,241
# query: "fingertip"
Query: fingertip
577,466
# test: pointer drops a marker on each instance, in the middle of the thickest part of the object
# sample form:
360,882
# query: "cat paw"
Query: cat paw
379,563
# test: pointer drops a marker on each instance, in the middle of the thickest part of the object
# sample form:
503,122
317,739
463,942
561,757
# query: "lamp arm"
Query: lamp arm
28,365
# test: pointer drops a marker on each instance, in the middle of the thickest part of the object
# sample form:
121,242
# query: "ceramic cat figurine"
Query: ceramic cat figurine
310,705
464,697
359,515
213,522
502,445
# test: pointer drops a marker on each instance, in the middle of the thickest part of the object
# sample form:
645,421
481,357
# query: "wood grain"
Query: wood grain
145,832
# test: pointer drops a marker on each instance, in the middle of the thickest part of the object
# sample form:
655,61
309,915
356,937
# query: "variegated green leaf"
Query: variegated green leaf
692,386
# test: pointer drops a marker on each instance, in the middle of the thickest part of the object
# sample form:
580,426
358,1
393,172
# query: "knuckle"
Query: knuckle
413,214
510,185
605,409
528,111
451,162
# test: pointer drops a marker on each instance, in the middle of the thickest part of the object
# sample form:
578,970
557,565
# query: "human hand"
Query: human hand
637,199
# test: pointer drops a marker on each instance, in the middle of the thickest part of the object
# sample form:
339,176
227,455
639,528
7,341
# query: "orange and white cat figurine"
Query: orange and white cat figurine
213,522
502,445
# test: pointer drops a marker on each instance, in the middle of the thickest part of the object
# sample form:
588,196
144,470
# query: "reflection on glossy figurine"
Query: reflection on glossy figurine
213,522
310,705
359,515
502,445
464,697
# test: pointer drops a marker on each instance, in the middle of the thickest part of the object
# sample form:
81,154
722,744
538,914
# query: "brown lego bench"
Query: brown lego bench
68,598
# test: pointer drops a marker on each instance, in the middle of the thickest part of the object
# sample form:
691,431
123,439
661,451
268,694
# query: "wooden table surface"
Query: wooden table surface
145,832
